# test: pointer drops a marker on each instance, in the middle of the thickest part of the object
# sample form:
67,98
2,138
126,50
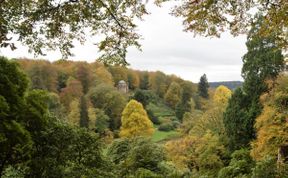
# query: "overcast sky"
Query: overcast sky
167,48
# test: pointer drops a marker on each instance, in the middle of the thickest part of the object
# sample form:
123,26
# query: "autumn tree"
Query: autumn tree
203,87
118,73
158,83
103,75
173,94
133,79
74,114
222,95
73,90
135,121
83,74
43,75
271,124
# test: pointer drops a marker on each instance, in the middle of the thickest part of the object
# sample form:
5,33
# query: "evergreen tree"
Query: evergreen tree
203,87
263,61
135,121
84,118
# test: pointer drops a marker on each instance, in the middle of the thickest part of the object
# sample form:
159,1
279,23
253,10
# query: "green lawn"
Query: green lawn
161,136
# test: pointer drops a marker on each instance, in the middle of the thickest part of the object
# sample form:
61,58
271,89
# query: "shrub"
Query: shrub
166,127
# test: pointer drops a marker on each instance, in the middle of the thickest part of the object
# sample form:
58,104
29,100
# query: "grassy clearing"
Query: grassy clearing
162,136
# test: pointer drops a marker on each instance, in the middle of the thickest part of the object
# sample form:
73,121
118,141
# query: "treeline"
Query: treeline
232,85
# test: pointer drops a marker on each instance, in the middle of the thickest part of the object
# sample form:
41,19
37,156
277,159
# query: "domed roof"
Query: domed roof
121,82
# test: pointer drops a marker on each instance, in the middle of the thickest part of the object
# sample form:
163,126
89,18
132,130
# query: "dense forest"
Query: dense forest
102,119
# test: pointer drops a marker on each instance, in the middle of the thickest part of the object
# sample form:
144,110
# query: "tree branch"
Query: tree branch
111,13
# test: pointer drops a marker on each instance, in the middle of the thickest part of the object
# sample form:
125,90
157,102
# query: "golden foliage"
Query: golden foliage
272,124
222,95
135,121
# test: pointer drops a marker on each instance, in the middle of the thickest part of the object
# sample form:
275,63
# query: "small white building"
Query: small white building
122,86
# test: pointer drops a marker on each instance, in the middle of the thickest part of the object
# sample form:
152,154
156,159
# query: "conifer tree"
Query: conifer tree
135,121
84,118
203,87
263,61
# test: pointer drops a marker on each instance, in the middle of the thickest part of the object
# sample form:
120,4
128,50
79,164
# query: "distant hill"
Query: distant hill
232,85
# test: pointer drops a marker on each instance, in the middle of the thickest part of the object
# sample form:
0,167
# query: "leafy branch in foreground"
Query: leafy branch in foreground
49,25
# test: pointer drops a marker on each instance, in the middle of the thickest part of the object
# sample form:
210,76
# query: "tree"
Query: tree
84,118
111,101
104,75
43,76
240,165
15,139
271,124
173,94
133,79
144,80
83,75
203,87
158,83
142,97
222,95
102,122
135,121
59,23
238,125
74,114
74,90
262,62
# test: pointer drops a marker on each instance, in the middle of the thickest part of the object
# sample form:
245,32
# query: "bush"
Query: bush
166,127
152,117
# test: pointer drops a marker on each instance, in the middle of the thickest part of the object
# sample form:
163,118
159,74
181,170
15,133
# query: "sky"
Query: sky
166,47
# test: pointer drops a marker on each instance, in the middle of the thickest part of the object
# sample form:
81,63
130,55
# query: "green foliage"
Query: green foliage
142,96
144,81
263,61
203,87
238,126
102,122
181,109
240,165
84,118
173,94
137,156
108,99
265,168
60,23
63,150
168,126
15,139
